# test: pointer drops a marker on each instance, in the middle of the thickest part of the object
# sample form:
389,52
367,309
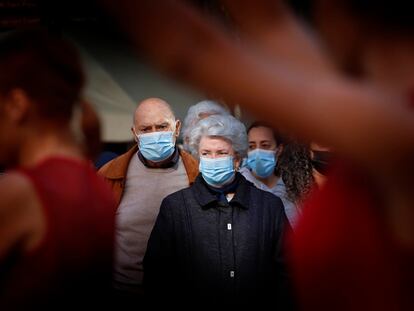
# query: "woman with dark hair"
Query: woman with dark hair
56,215
282,169
296,169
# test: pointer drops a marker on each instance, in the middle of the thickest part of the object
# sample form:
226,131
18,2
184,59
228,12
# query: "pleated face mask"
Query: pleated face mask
217,172
156,146
262,162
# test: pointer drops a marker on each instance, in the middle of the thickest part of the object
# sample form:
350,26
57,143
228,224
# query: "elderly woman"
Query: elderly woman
220,240
197,112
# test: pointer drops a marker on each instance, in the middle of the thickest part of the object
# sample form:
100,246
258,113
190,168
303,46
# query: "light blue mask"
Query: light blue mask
262,162
156,146
217,172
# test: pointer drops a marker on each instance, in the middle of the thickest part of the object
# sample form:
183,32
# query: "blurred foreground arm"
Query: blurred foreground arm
360,122
270,27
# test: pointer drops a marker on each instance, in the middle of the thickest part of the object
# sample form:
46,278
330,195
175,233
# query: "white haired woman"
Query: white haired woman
197,112
220,240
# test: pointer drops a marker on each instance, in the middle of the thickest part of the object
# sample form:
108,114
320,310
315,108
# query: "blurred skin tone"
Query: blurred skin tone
91,129
329,107
216,147
262,138
25,140
365,50
155,115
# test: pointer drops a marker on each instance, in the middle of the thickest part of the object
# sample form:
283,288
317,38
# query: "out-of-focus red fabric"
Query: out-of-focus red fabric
344,256
73,263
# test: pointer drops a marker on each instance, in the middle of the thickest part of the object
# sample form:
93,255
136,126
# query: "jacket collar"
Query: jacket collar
207,198
119,166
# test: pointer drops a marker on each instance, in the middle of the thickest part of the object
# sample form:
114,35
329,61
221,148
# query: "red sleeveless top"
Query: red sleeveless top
343,256
73,263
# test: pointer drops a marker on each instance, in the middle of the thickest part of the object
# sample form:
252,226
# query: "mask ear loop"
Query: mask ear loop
136,135
236,169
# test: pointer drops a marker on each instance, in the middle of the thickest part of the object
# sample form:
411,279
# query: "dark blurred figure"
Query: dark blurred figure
322,159
104,157
56,215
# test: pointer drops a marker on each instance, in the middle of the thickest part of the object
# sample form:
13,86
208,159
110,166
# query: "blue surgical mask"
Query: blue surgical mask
217,172
262,162
156,146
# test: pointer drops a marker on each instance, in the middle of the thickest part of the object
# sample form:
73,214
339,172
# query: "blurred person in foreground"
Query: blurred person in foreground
56,215
218,243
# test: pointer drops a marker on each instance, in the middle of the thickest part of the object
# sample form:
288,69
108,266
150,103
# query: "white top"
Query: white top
279,190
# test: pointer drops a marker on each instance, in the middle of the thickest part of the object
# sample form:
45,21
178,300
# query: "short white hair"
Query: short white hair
218,126
196,111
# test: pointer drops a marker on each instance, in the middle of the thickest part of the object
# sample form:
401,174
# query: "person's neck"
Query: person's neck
39,145
160,164
227,184
268,181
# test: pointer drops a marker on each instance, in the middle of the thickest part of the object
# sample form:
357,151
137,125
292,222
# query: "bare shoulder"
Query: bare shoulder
22,220
14,189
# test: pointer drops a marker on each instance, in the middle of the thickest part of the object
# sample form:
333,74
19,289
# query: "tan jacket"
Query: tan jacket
115,171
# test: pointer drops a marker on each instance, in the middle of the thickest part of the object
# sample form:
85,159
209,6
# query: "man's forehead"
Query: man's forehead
149,120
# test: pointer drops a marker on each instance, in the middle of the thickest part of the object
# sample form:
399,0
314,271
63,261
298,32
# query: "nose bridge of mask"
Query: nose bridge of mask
258,155
262,153
215,163
155,137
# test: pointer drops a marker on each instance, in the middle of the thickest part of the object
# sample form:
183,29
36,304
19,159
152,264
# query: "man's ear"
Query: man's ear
17,105
134,134
177,128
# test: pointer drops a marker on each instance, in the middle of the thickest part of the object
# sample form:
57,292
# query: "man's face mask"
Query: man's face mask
262,162
321,161
217,172
156,146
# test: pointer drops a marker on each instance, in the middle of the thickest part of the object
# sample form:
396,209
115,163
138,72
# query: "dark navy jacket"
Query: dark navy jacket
201,247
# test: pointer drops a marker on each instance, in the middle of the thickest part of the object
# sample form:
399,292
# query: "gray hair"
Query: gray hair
227,127
195,112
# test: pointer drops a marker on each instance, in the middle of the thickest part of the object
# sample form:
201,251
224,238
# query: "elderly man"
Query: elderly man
140,179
